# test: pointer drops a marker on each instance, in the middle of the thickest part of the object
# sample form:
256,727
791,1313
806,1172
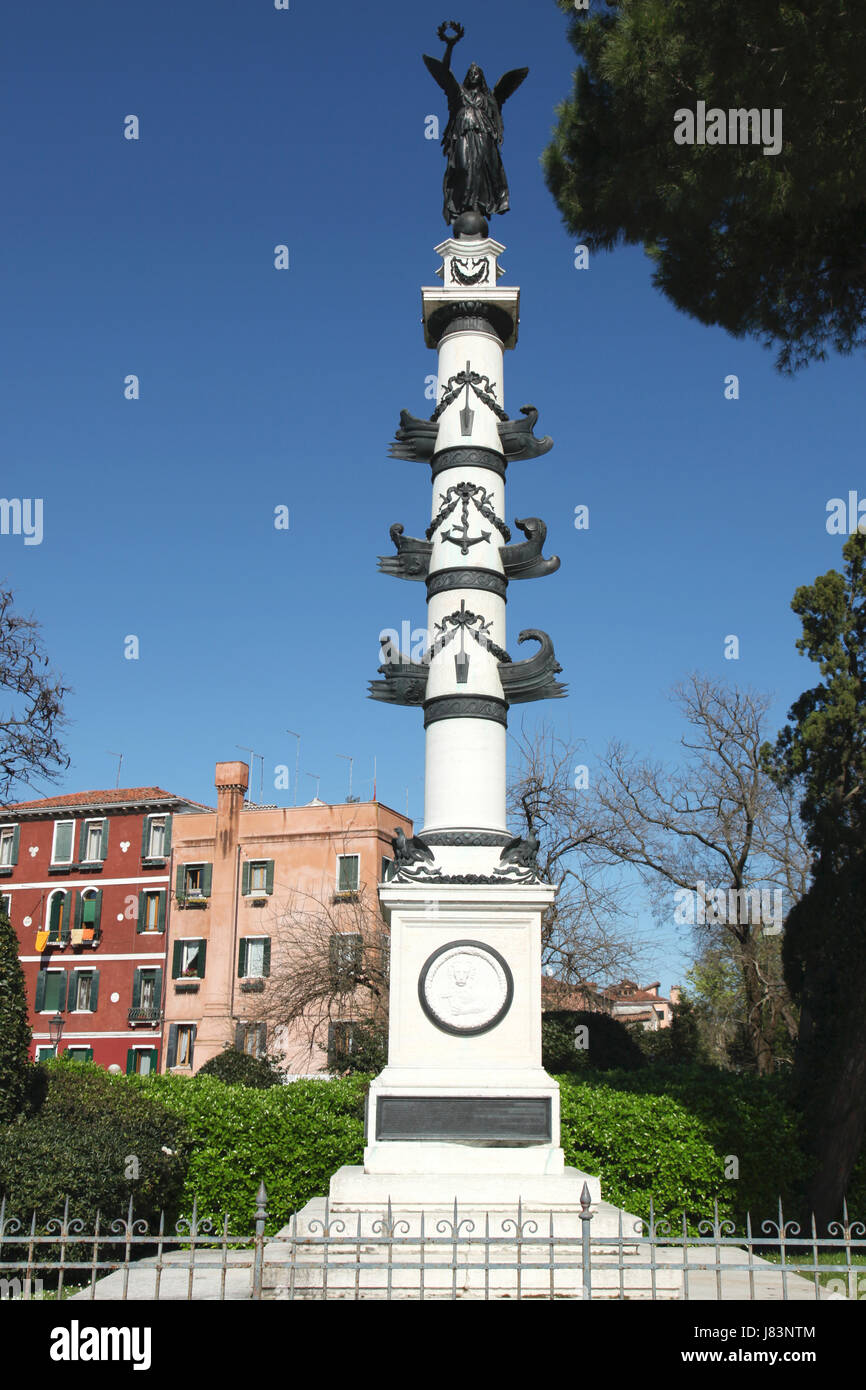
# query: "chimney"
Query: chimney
232,780
676,994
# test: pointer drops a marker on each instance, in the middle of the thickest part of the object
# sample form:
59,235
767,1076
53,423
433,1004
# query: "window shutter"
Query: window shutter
166,844
103,849
266,957
206,875
175,960
245,877
239,1037
140,920
171,1050
154,1058
82,839
77,908
202,954
88,1057
130,1061
97,911
67,910
64,980
160,920
136,988
94,991
145,828
242,956
40,991
269,885
179,880
16,837
157,987
73,988
262,1040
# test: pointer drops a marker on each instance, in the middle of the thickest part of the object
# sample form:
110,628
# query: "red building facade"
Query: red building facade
84,879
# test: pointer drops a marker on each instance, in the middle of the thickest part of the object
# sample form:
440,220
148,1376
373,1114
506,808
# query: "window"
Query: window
50,991
348,873
156,837
251,1039
83,991
44,1051
146,994
59,911
6,904
387,869
91,911
345,960
254,956
193,880
79,1054
258,878
181,1043
141,1061
93,845
188,960
151,910
9,845
340,1045
61,852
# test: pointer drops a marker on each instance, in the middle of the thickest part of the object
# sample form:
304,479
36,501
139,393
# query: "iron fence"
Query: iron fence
328,1254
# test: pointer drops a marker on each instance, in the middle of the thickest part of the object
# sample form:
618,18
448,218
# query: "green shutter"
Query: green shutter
245,877
175,960
40,991
206,876
171,1050
269,885
130,1061
166,844
154,1058
104,846
266,957
94,991
140,921
16,838
136,988
160,921
242,956
202,955
179,880
157,987
81,839
73,987
62,997
145,823
79,911
69,906
97,911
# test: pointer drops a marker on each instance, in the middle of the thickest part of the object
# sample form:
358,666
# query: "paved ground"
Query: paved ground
211,1282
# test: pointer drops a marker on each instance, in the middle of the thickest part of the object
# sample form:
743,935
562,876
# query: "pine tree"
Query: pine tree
15,1034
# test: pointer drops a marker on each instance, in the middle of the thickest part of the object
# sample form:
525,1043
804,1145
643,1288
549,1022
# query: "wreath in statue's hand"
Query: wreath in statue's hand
457,31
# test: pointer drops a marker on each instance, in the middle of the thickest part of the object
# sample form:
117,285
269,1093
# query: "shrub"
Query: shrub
239,1069
97,1140
610,1044
642,1146
293,1136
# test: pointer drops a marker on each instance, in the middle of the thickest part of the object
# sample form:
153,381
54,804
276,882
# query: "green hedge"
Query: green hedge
293,1136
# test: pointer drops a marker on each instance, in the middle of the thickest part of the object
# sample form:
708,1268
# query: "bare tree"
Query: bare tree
582,935
329,964
717,830
33,717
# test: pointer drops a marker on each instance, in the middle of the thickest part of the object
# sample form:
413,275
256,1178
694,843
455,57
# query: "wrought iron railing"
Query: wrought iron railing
326,1254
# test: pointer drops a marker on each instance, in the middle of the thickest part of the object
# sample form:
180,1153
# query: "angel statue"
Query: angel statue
474,177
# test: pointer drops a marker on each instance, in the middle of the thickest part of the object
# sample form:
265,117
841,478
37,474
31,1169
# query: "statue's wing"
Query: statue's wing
508,84
446,79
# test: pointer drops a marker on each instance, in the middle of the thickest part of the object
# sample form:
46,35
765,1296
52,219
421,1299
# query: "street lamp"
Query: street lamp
55,1030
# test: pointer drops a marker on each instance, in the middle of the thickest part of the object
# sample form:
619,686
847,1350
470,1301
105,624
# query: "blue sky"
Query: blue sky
262,388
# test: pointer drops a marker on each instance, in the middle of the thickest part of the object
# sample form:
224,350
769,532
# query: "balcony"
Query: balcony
148,1013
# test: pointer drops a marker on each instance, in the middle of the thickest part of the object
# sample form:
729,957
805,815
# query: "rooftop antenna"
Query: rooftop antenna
119,757
317,779
297,760
350,761
253,754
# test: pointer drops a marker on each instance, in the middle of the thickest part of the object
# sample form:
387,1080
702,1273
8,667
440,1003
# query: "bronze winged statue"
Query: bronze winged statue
474,177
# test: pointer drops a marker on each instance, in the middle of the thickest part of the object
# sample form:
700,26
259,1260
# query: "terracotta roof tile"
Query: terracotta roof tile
114,794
